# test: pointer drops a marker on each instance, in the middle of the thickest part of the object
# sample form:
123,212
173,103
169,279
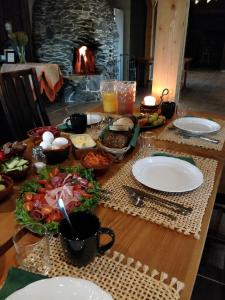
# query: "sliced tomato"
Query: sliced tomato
37,204
28,206
46,210
39,197
48,186
85,194
42,181
28,196
77,187
50,175
90,185
55,171
42,190
54,216
70,206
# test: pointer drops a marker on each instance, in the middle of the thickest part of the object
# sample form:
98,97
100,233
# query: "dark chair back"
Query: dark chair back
22,102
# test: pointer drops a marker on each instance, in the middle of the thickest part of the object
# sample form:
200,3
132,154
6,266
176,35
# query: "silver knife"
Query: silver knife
158,199
202,137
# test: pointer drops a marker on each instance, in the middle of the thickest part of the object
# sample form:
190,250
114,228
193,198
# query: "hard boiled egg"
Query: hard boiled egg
46,145
59,142
48,137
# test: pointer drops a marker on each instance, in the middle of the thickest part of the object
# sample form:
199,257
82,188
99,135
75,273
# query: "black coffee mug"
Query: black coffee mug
168,109
78,122
83,244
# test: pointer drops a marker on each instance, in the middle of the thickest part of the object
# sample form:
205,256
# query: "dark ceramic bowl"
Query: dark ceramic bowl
79,153
98,169
13,151
8,182
56,156
35,134
18,175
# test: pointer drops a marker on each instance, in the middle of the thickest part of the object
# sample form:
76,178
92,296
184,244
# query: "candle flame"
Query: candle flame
149,100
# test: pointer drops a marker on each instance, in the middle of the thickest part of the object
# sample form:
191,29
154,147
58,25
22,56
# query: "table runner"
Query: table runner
197,199
171,134
124,278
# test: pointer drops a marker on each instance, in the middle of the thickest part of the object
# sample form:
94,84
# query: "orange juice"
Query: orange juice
110,102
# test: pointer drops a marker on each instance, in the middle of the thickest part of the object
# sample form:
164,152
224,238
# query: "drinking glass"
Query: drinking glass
147,139
181,110
109,96
32,250
126,93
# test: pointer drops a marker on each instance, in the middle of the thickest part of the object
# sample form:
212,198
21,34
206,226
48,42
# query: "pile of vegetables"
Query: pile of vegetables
14,164
37,202
95,160
152,120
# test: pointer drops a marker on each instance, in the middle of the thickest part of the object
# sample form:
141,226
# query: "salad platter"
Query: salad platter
37,201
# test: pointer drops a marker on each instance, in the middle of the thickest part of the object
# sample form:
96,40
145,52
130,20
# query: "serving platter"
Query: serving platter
167,174
196,125
61,287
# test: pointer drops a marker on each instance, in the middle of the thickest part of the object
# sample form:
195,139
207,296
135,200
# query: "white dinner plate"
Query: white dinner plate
167,174
196,125
59,288
91,119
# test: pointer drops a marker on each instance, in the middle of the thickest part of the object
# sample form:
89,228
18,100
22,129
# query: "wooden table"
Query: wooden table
154,245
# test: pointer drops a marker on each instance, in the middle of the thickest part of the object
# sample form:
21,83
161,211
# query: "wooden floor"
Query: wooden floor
205,91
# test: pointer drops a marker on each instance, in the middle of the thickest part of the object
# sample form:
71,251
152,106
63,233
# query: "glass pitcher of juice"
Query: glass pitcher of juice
126,93
109,96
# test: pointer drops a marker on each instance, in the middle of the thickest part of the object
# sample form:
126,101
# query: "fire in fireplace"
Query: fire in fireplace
84,61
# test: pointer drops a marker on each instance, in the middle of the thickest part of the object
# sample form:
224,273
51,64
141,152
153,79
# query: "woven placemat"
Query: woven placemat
124,278
171,134
197,199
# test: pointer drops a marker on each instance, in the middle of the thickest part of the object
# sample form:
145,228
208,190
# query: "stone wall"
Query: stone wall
59,26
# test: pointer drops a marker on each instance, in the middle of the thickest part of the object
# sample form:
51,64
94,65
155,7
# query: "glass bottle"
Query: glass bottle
38,158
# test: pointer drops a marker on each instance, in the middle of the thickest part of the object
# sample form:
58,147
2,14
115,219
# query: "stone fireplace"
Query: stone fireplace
61,28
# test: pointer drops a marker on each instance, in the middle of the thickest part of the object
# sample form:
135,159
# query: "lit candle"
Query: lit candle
149,100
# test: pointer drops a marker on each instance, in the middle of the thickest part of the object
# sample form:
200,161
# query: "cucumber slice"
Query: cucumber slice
22,162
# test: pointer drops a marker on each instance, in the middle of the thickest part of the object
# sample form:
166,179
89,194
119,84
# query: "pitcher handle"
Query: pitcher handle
67,125
103,230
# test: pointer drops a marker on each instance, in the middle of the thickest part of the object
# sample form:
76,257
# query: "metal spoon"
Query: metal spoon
62,208
175,207
139,202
